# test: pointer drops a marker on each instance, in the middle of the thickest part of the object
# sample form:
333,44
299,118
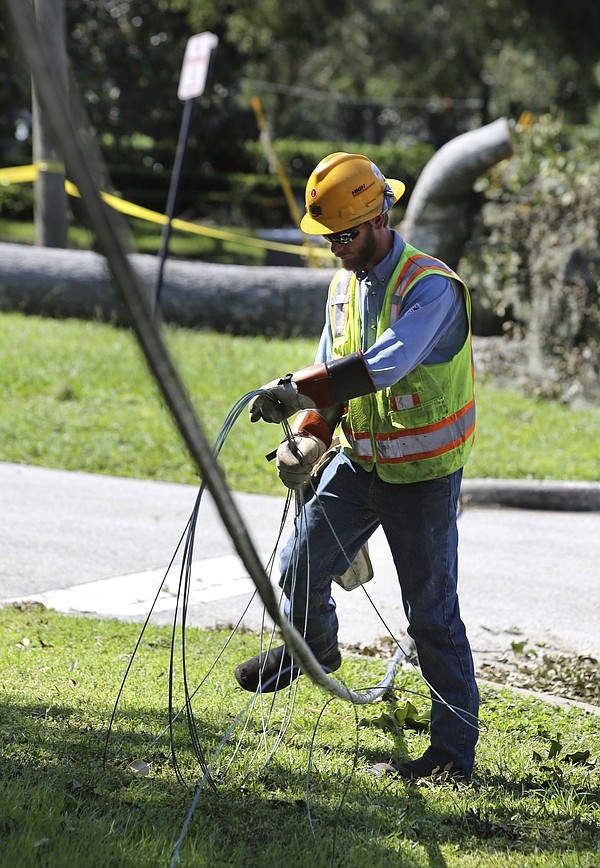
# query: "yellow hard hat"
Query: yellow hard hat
345,190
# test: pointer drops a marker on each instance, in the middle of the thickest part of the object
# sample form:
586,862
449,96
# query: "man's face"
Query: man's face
360,253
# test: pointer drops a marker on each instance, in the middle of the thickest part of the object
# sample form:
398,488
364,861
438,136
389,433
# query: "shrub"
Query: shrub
533,260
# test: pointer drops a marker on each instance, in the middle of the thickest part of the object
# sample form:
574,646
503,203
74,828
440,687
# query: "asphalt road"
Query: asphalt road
99,544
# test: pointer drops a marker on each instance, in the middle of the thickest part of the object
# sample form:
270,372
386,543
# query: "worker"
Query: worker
393,371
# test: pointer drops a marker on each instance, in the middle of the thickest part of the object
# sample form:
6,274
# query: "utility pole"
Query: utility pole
50,210
199,52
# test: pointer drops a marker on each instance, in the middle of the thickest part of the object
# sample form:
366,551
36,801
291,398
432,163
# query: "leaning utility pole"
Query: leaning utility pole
50,208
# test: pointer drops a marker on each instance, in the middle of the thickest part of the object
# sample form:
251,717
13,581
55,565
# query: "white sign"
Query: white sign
196,60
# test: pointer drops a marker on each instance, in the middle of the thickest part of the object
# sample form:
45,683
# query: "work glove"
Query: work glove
278,400
321,385
296,458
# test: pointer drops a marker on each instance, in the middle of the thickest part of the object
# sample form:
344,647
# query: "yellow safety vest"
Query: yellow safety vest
423,426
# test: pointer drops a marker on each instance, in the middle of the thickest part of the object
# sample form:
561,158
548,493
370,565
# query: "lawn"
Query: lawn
77,395
291,781
68,797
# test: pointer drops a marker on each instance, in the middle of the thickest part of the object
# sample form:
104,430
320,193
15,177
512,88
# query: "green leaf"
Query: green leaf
408,717
384,721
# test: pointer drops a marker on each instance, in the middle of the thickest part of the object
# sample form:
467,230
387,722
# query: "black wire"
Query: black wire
183,597
182,602
348,779
183,594
136,648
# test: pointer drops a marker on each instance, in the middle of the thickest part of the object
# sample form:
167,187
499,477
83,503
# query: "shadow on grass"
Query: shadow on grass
59,805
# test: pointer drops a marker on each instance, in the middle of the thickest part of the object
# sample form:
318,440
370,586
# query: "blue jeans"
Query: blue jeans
419,522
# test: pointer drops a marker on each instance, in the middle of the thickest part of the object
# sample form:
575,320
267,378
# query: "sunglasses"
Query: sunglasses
345,237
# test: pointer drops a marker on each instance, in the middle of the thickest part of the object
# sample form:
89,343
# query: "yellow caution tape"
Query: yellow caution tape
23,174
274,162
18,175
526,119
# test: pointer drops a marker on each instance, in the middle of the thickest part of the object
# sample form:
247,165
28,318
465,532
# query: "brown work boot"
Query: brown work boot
273,670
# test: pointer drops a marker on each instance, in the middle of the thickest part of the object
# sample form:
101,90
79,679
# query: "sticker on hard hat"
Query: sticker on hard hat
362,189
313,193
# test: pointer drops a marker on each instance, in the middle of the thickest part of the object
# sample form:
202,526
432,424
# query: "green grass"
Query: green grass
77,395
535,801
144,237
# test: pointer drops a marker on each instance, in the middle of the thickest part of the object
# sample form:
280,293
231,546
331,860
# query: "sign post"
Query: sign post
192,82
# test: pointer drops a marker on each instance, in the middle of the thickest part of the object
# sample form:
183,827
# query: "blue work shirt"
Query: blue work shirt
431,327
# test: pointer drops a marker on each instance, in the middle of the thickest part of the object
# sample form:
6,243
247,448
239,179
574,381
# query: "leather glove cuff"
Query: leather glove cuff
312,424
335,382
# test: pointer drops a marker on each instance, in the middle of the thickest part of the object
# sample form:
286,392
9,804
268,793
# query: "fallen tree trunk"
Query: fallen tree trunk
439,213
275,300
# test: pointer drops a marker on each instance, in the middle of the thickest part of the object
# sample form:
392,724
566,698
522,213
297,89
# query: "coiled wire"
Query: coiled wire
295,645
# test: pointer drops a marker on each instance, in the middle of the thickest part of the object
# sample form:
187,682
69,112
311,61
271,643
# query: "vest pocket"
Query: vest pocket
407,411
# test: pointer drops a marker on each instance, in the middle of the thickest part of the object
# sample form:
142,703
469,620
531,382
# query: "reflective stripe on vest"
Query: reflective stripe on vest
422,426
339,303
413,444
416,267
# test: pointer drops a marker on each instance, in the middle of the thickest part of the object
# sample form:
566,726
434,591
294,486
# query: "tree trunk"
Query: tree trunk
438,216
274,300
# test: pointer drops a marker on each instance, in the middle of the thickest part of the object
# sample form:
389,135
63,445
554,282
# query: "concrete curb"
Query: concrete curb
547,494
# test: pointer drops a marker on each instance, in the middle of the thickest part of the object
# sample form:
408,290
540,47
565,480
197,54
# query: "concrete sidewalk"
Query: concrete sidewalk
96,544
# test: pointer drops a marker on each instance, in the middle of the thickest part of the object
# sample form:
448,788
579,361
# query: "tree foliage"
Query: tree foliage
374,66
392,78
378,71
533,260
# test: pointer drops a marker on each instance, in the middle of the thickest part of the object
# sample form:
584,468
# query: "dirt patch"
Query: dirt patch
557,673
567,676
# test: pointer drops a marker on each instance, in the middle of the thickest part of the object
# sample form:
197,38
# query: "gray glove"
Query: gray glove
296,459
322,385
278,400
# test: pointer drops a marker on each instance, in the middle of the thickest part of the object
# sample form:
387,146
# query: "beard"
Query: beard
360,259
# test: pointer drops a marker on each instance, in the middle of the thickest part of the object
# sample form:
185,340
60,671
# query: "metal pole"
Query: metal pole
173,196
49,188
